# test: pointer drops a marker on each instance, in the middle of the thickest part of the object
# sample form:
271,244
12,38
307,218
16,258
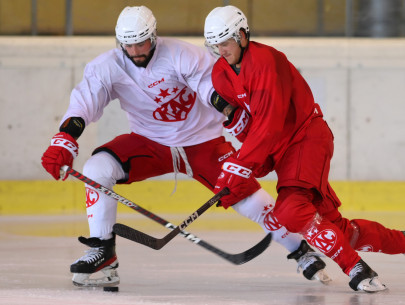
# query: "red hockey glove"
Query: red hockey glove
238,125
239,179
62,151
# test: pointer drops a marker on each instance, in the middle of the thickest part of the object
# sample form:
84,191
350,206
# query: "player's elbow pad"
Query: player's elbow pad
73,126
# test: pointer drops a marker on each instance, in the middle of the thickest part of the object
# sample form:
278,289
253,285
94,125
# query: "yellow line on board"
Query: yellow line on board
68,197
56,208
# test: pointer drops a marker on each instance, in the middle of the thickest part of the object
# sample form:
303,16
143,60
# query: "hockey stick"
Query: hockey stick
236,259
159,243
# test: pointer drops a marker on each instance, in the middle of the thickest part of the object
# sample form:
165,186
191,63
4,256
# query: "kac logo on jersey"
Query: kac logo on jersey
91,197
324,240
177,108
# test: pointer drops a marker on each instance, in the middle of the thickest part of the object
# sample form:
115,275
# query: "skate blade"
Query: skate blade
110,278
322,277
371,286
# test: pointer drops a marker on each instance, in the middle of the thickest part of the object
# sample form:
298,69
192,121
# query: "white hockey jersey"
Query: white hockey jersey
167,102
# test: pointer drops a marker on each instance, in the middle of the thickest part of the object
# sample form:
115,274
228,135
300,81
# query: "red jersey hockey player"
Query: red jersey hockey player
164,85
285,131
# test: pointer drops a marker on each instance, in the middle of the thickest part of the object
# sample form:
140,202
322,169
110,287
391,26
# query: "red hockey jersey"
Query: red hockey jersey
278,98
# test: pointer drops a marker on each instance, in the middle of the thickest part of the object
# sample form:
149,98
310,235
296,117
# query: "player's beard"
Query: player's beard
142,60
137,60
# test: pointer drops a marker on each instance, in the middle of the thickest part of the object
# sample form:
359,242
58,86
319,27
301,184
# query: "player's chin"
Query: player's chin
230,59
139,62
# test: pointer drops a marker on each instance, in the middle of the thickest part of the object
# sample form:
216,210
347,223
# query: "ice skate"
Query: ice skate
100,257
313,267
363,278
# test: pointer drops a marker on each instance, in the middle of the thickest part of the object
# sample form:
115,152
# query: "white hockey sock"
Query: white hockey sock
102,209
259,208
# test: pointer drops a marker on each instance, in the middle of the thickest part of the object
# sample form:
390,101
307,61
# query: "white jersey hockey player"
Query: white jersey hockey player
164,86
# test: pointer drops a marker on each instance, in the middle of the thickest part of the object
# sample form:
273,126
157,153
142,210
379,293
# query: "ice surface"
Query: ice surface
35,270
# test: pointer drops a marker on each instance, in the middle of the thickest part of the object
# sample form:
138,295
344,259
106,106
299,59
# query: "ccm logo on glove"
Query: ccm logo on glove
238,124
241,120
236,169
59,140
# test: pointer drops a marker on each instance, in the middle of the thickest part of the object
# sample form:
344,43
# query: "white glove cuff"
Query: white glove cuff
240,124
66,144
237,169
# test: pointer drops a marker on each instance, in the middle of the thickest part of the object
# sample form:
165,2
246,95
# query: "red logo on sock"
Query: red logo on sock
91,197
324,240
270,222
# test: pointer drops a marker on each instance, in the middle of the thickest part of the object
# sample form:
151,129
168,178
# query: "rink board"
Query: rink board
68,197
30,203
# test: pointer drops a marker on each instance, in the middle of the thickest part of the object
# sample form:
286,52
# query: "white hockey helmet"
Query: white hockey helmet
223,23
136,24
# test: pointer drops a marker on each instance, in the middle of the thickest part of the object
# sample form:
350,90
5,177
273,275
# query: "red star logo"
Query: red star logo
164,93
157,100
175,90
266,208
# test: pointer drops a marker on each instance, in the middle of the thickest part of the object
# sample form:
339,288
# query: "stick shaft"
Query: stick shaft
159,243
237,259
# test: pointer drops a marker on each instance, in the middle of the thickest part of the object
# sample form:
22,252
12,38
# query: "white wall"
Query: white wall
359,83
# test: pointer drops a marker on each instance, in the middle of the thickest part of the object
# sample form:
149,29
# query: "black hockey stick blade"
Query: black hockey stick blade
248,255
159,243
139,237
237,259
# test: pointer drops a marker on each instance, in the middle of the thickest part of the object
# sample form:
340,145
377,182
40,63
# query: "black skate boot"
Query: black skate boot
313,268
363,278
100,257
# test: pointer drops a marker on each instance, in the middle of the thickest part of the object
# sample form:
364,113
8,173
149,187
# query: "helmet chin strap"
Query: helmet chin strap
243,48
241,55
242,52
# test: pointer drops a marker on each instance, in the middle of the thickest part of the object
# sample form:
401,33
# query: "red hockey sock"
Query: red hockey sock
371,236
330,240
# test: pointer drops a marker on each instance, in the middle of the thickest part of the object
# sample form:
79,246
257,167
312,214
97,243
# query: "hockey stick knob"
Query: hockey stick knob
63,171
